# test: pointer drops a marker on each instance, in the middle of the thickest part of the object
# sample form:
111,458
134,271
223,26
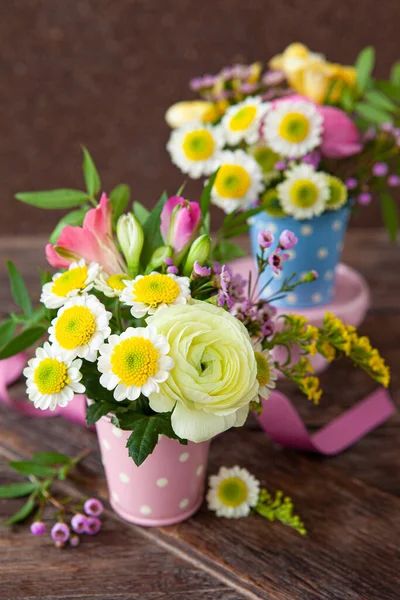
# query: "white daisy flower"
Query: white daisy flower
304,193
266,371
80,328
233,492
337,193
111,285
52,379
134,363
239,181
147,293
293,128
76,281
195,148
242,121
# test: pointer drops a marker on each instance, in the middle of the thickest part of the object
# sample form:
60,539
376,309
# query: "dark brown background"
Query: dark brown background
102,73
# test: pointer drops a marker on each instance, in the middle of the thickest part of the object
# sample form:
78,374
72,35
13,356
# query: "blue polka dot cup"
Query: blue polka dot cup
319,247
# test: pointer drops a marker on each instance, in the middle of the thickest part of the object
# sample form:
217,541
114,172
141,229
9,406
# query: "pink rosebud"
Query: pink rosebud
265,239
38,528
180,221
393,180
60,533
200,271
93,507
287,239
93,525
364,198
380,169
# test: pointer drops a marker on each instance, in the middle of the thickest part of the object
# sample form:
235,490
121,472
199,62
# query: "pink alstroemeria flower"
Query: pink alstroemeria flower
180,221
93,242
340,137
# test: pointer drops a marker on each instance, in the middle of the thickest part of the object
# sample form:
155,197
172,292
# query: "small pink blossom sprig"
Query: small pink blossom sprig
42,472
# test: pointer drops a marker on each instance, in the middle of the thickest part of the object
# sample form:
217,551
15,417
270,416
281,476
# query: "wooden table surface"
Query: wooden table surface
349,503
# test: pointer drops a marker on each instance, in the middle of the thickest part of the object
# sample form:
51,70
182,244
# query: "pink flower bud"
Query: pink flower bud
38,528
265,239
201,271
93,526
180,221
93,507
287,239
60,533
173,270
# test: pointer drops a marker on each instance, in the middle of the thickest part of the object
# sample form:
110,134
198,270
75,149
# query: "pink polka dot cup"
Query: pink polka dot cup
167,488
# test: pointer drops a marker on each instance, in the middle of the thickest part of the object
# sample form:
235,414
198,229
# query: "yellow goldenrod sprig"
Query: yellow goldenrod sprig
280,509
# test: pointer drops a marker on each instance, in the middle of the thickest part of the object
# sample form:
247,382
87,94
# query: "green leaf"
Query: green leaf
140,212
364,65
372,114
120,197
391,90
17,490
74,218
380,100
390,215
151,230
24,340
347,99
235,231
22,514
64,198
205,199
95,411
92,179
19,290
227,251
50,458
7,330
395,74
145,432
26,467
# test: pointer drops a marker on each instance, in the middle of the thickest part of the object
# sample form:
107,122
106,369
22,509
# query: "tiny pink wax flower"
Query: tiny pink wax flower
180,221
351,183
79,523
93,507
60,533
364,198
173,270
380,169
276,260
93,525
393,180
280,165
201,271
265,239
169,261
38,528
287,239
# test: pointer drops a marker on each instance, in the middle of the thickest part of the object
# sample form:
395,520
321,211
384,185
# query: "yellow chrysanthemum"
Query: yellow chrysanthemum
78,280
147,293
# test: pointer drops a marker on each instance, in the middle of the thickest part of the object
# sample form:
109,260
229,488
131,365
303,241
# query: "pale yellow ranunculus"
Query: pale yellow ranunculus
311,75
197,110
215,374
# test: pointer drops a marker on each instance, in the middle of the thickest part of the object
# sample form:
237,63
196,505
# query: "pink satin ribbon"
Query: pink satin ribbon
282,423
279,418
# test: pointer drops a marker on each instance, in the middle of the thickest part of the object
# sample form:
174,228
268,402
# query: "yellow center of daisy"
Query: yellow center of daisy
74,327
294,127
156,289
232,492
243,118
232,181
198,145
51,376
263,369
116,282
338,193
134,360
304,193
75,279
